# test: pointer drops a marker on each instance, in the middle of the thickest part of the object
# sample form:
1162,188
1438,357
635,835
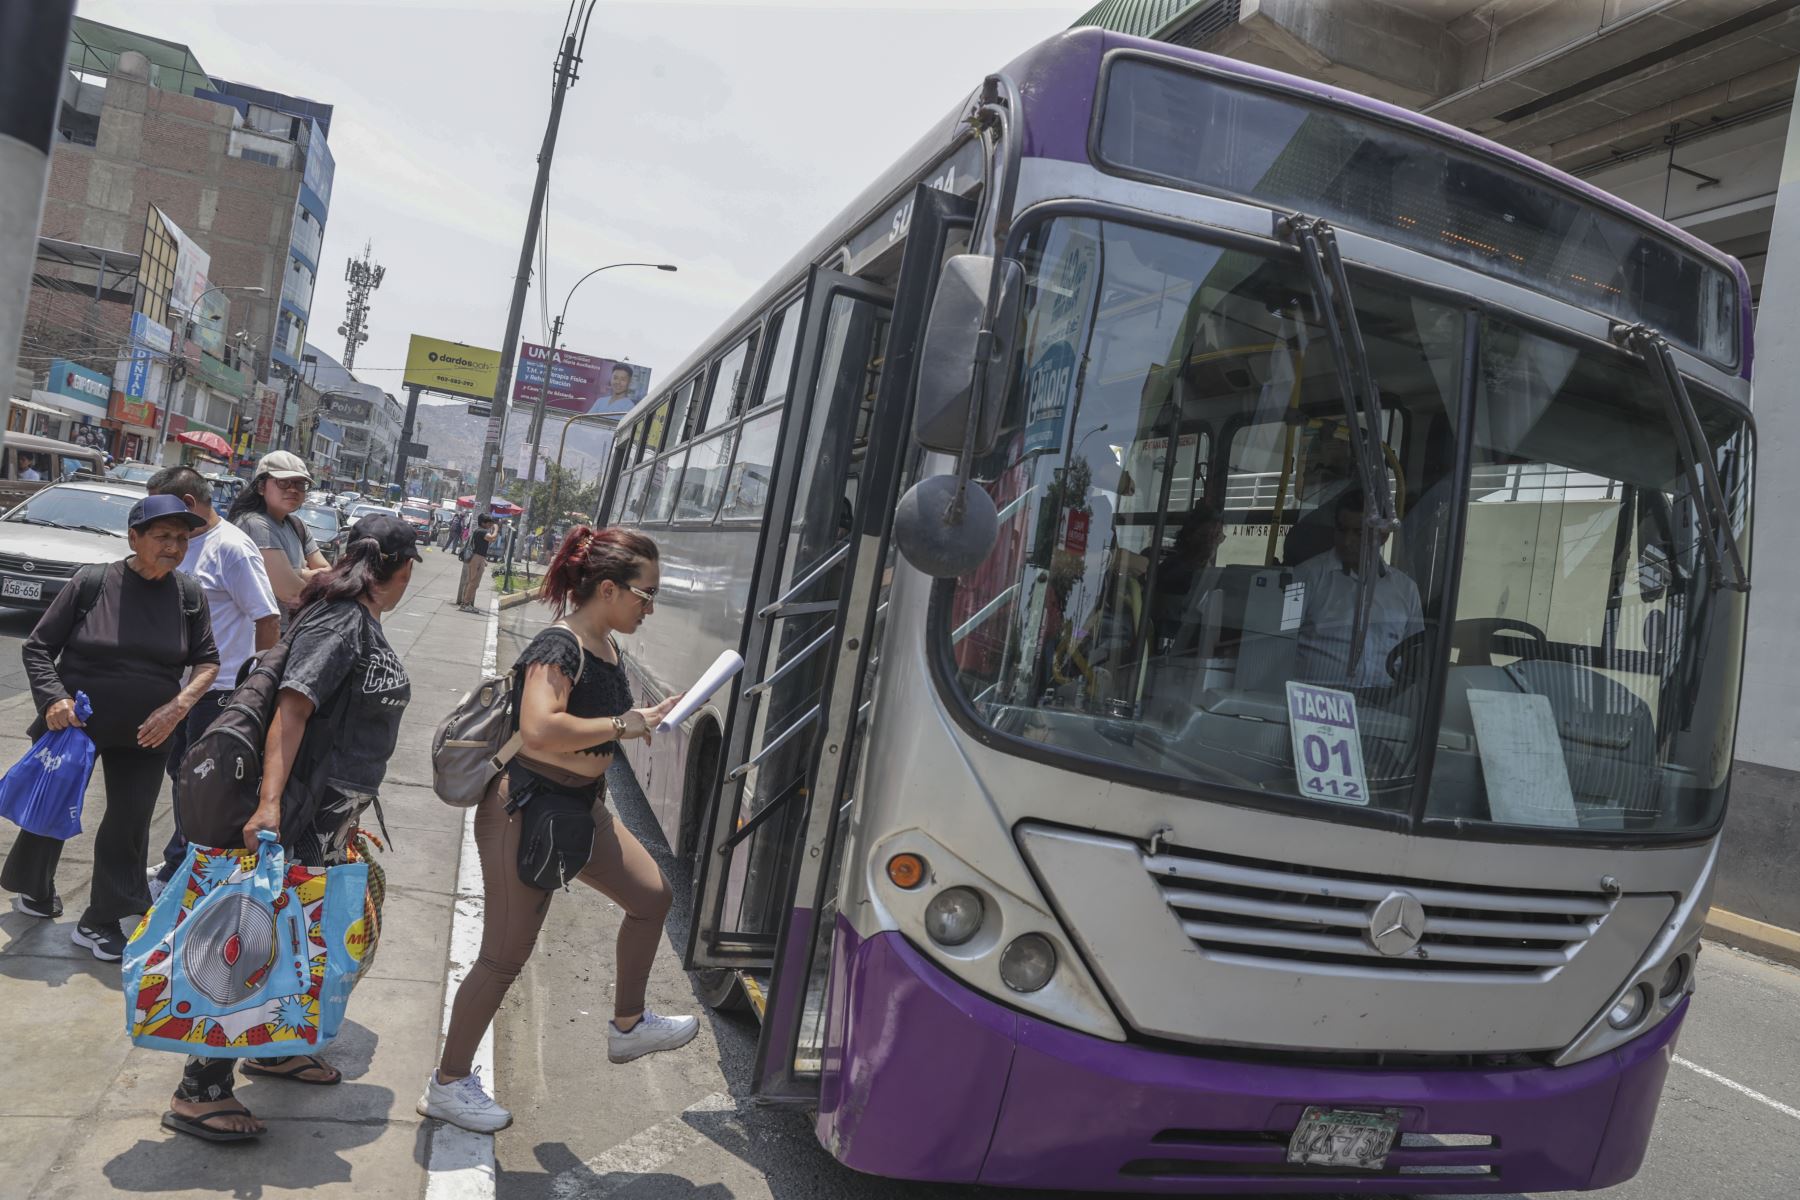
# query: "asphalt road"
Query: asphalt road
675,1126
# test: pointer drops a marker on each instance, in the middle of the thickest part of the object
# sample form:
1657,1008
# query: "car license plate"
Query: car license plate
1336,1137
22,589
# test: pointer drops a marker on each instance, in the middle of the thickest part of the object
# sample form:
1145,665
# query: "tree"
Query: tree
572,495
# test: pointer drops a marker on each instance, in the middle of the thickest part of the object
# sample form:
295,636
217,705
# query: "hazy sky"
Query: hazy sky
718,136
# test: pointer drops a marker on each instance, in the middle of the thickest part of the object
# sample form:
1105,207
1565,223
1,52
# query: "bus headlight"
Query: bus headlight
1631,1007
1028,962
953,916
1675,978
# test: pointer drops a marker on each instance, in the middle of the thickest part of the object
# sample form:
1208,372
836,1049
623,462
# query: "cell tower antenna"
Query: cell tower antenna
364,277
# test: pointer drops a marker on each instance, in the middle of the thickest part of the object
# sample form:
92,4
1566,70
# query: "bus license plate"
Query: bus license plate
1335,1137
22,589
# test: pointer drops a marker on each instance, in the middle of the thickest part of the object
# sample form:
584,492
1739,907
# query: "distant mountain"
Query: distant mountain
455,439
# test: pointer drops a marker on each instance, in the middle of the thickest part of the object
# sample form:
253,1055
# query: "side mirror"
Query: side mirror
952,351
945,526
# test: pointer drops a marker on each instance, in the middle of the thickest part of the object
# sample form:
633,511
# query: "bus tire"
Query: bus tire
696,788
720,990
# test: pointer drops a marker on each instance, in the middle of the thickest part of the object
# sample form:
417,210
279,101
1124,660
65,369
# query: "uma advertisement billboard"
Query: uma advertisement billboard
451,368
578,383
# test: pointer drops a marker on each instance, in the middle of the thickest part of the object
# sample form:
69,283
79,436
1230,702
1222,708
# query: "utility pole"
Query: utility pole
363,277
566,63
34,39
406,432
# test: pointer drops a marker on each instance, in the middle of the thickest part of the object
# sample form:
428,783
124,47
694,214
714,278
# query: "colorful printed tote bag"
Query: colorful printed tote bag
244,956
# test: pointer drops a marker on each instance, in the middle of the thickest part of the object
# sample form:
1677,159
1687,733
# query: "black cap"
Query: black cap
151,509
394,536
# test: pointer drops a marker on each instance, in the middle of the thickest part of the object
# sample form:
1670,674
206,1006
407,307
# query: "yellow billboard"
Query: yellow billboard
452,368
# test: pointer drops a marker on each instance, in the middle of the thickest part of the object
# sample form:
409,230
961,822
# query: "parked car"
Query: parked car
132,471
58,530
327,528
344,500
318,496
359,511
225,487
418,514
47,458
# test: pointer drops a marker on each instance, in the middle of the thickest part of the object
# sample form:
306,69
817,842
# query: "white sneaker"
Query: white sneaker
653,1032
464,1103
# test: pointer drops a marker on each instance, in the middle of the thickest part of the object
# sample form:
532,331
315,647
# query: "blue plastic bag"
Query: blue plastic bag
244,956
42,793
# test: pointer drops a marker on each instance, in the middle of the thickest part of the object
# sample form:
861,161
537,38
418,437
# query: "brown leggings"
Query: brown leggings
619,868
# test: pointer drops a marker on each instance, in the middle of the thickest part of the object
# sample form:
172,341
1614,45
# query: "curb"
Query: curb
1758,937
516,599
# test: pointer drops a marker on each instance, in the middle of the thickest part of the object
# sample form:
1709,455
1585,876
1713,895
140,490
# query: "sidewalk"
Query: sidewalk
81,1115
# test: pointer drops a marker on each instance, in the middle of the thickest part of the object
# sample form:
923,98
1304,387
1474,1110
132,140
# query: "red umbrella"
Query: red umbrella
207,441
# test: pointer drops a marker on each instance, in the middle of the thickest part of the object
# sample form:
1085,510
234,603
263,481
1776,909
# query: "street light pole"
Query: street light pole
535,434
574,37
176,365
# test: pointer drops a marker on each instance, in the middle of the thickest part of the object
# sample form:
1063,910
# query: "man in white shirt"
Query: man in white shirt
28,468
1327,621
245,616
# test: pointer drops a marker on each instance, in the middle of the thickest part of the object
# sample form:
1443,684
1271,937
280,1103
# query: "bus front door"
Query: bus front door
766,879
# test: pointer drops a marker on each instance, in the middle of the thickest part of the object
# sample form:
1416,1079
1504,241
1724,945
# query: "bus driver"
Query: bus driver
1331,584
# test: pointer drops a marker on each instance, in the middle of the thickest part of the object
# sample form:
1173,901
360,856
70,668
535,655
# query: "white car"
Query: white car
61,528
359,511
345,499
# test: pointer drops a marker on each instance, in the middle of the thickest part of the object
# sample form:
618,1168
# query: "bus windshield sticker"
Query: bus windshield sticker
1522,759
1328,760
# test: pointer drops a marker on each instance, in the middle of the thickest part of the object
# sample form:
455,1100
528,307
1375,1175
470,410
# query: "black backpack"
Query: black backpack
88,581
216,790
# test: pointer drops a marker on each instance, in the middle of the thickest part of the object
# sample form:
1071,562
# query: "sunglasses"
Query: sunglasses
648,597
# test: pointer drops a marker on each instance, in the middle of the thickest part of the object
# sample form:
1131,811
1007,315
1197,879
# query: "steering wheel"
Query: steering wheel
1473,639
1406,661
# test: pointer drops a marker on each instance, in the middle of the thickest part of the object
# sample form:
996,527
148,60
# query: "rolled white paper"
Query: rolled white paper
728,663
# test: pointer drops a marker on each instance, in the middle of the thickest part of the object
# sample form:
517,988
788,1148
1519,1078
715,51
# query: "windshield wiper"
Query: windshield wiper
93,529
1712,513
1335,309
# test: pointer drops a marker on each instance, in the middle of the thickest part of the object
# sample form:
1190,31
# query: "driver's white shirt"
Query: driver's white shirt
1329,615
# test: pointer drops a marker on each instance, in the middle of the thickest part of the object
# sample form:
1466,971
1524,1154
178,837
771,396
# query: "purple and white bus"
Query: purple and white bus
1243,589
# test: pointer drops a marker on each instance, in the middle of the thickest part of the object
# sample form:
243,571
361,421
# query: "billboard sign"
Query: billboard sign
148,338
268,404
451,368
191,266
211,321
90,390
578,383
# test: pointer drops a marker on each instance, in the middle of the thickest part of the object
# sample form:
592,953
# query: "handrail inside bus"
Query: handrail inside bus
787,668
982,614
811,577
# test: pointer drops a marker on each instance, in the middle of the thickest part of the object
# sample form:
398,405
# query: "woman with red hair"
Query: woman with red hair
533,828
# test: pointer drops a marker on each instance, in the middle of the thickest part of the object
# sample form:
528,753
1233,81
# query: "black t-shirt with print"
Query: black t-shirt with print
339,656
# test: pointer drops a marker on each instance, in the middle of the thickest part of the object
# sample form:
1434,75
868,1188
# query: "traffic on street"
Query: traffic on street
1170,616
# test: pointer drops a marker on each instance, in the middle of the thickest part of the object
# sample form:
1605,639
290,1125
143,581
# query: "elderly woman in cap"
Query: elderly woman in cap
266,511
125,633
337,720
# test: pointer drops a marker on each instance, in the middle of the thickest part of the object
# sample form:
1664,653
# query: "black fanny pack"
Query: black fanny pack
556,827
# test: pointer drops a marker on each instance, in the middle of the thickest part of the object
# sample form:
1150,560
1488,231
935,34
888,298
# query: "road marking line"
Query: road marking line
1786,1110
461,1165
640,1154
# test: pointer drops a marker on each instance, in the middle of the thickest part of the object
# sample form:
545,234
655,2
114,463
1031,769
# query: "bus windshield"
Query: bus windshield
1173,591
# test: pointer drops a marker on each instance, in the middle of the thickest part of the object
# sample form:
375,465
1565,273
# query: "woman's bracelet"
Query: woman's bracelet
618,729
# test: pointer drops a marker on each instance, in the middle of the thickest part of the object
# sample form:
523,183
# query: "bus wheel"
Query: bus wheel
696,790
720,990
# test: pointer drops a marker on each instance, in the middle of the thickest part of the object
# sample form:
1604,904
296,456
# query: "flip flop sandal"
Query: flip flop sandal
202,1127
294,1070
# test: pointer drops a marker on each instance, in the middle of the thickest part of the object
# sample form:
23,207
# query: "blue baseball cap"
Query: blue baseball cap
155,508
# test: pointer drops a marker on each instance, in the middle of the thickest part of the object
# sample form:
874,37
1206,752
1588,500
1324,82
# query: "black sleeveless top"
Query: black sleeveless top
602,691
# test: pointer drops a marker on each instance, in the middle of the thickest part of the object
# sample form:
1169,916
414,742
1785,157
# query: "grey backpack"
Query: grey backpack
479,737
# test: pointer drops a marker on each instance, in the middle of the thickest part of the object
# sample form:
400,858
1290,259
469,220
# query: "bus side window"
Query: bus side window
784,335
727,387
681,413
747,488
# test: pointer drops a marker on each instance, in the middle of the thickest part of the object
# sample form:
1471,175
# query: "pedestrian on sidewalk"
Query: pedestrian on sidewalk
339,656
266,511
245,617
475,560
127,645
574,710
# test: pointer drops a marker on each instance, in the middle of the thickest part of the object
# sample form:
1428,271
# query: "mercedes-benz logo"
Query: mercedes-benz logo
1397,924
